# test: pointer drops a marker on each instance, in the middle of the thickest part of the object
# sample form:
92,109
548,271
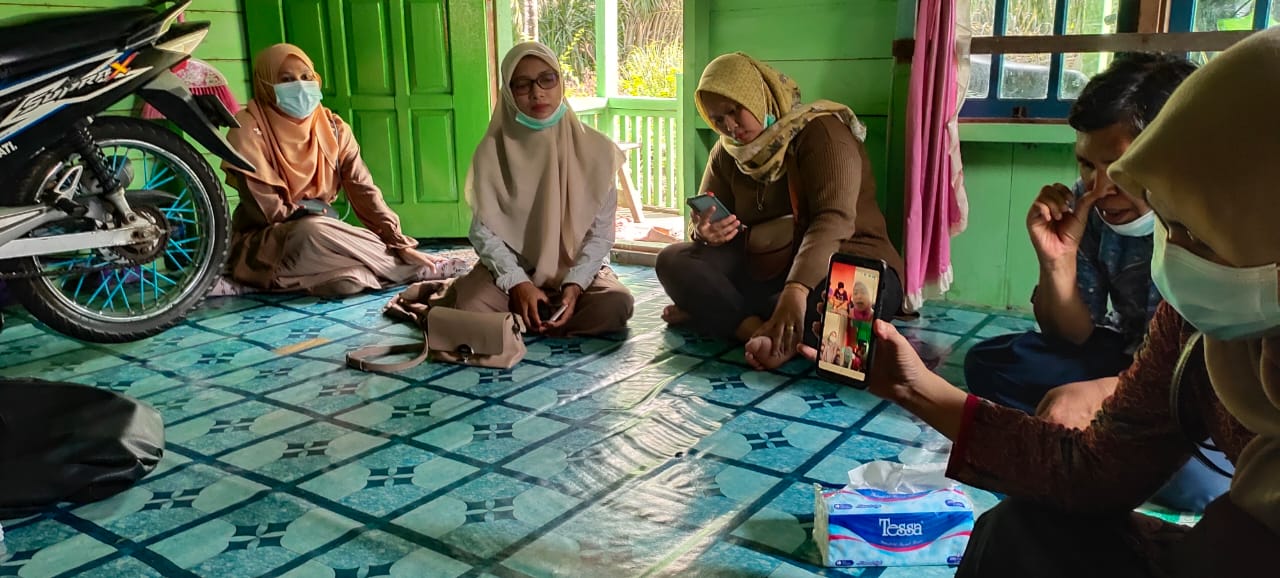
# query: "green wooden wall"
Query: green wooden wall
993,260
835,49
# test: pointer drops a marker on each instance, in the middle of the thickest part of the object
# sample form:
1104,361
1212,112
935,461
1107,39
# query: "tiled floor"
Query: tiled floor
655,453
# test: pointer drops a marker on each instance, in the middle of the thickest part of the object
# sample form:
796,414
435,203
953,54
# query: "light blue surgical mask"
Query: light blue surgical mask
541,123
1139,227
299,98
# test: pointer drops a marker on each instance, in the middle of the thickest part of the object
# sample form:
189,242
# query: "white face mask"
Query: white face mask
1225,303
1139,227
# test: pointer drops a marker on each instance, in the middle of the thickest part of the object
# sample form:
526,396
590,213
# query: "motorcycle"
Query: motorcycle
112,229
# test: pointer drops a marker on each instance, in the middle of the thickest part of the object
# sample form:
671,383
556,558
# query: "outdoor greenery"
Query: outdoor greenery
650,34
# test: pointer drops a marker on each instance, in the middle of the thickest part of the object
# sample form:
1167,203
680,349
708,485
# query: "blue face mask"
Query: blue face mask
298,99
541,123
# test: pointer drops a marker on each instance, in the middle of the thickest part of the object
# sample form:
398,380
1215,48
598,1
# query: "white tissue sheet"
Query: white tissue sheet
892,514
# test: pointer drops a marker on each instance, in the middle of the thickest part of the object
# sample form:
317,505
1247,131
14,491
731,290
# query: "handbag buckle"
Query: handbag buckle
464,353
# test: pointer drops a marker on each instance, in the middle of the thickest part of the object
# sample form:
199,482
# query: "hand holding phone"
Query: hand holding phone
716,224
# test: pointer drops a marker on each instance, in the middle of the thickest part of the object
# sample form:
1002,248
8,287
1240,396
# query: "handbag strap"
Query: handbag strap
359,358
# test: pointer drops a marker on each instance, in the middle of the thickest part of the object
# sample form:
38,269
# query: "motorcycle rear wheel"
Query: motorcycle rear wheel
158,169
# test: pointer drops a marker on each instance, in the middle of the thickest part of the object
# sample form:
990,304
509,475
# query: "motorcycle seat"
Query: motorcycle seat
30,44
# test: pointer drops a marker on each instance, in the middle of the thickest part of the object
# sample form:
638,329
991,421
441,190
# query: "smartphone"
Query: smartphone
848,343
704,201
549,315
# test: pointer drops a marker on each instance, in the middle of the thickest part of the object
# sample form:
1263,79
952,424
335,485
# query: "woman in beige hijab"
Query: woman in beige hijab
1206,166
542,191
285,236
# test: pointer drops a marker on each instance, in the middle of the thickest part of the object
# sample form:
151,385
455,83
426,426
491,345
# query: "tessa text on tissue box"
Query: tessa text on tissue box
872,527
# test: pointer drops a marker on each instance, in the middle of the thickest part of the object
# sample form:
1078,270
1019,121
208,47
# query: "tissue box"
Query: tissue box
867,526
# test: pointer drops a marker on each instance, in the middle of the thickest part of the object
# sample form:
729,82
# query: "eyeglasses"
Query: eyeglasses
545,81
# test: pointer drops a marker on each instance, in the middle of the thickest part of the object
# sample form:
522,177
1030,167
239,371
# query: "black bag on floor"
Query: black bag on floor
65,442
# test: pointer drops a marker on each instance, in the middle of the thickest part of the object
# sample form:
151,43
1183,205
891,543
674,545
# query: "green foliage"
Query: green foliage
650,34
651,70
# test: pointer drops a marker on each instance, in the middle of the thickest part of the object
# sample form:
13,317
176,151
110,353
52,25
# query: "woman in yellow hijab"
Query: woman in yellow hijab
797,176
285,236
1210,367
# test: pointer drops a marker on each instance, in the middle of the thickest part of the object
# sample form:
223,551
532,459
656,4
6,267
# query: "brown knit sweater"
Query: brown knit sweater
837,198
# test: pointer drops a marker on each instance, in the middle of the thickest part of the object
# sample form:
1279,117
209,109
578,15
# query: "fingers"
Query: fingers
530,315
1053,202
885,331
1087,200
808,352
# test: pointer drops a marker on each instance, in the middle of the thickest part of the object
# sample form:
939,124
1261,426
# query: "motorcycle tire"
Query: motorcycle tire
43,298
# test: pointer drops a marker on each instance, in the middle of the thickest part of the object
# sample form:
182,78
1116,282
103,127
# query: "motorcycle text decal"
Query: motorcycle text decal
7,149
57,94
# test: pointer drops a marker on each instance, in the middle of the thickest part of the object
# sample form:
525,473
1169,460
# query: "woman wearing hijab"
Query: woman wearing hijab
284,237
542,191
783,165
1206,167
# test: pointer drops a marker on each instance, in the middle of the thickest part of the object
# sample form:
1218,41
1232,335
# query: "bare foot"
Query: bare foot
760,354
674,315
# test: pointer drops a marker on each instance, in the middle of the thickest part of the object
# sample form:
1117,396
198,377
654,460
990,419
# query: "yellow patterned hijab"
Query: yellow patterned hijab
1208,161
764,91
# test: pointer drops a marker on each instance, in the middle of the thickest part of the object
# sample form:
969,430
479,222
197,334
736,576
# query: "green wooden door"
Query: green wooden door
412,79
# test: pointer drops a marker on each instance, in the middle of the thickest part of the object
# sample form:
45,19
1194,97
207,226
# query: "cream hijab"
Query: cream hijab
540,190
765,91
1208,161
299,156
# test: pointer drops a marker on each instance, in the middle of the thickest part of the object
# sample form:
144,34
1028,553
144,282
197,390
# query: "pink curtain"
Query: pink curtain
936,207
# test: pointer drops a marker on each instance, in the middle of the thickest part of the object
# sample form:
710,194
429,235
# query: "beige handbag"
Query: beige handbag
450,335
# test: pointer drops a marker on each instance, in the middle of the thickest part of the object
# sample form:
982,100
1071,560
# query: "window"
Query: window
1034,85
1221,15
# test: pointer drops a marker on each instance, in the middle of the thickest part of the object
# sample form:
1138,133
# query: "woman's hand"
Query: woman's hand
716,233
1055,226
524,301
415,257
898,375
569,295
897,372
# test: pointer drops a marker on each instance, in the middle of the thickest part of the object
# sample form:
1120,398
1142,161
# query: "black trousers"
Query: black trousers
713,286
1020,538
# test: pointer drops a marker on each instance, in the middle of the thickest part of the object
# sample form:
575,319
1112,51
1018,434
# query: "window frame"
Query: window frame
1182,14
993,106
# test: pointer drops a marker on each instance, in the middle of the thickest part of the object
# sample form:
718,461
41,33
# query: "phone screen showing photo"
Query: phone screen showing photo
845,345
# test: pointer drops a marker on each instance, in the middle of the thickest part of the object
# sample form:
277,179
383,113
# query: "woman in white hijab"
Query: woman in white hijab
542,191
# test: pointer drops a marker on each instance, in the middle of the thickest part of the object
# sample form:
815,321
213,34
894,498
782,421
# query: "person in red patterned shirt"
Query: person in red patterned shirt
1205,166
